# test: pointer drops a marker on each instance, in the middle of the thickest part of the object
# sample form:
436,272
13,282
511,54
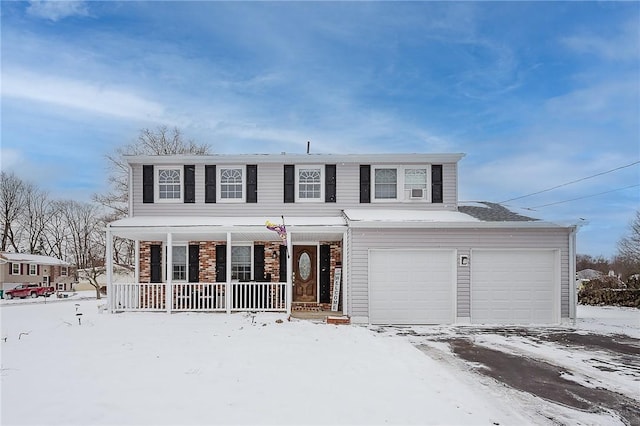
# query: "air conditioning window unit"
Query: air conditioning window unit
417,193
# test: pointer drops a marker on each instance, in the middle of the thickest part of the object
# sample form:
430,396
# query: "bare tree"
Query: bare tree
161,141
12,200
629,245
34,218
86,239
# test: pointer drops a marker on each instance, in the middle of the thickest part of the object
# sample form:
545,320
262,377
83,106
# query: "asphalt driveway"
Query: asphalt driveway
585,371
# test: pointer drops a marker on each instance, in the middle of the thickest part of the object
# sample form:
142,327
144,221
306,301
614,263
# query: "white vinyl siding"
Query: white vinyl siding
462,240
270,196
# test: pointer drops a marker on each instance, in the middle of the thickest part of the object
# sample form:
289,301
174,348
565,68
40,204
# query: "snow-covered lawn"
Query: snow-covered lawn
184,369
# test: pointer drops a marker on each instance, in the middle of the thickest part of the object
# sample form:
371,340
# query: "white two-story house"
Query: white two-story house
381,237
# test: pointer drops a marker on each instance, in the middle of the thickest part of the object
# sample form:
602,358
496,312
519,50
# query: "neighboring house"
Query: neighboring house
120,274
407,251
18,268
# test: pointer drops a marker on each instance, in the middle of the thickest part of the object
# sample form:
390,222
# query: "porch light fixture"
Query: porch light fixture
274,255
464,260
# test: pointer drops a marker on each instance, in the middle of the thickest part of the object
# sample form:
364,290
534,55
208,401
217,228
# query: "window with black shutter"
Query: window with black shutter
190,184
289,183
210,184
365,183
221,263
156,263
330,183
252,183
147,184
194,263
436,183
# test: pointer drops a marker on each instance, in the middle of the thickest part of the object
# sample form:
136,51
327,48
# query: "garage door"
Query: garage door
411,286
515,287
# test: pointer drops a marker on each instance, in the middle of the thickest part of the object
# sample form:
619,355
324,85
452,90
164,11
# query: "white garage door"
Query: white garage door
515,287
411,286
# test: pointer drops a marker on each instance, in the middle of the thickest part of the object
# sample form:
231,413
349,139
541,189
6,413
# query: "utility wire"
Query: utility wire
580,198
572,182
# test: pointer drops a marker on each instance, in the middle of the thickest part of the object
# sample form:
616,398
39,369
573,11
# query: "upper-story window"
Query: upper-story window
15,269
231,184
309,183
169,184
33,269
64,271
409,183
415,184
386,184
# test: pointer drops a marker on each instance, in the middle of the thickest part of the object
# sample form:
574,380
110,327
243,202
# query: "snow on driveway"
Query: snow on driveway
185,369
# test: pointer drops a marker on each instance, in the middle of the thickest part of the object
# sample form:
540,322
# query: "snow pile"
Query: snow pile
160,369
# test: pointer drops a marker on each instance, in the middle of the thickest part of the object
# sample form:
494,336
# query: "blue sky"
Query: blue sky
535,94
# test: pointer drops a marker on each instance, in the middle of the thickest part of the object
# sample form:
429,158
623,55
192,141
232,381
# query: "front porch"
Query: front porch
200,267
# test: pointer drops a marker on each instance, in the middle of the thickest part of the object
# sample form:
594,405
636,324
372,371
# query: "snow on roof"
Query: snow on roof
182,221
388,215
33,258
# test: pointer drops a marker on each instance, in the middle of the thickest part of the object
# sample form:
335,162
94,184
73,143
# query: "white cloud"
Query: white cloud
57,10
622,46
82,95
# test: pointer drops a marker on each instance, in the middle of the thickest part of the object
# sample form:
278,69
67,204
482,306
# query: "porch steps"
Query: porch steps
338,320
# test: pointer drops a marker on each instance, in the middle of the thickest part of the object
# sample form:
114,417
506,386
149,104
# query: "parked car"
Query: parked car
30,290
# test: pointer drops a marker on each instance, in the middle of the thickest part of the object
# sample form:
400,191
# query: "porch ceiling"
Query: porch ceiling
242,229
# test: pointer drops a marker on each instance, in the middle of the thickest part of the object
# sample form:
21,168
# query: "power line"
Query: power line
580,198
569,183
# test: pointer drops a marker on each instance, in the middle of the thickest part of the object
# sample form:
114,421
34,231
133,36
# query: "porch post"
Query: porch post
169,269
136,275
109,264
289,272
227,291
343,287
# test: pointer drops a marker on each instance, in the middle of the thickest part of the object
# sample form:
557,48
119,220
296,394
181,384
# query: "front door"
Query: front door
304,270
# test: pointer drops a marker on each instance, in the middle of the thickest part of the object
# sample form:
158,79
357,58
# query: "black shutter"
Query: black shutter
156,263
10,268
283,263
221,263
330,183
365,183
258,263
190,184
147,184
325,273
209,184
436,183
252,183
289,183
194,263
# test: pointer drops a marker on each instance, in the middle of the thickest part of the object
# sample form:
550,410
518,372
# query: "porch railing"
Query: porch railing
199,297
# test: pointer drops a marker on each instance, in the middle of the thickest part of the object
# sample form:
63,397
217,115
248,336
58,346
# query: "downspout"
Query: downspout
109,261
572,275
289,272
227,291
169,269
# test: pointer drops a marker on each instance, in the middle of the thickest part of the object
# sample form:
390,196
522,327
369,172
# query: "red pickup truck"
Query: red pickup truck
31,290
